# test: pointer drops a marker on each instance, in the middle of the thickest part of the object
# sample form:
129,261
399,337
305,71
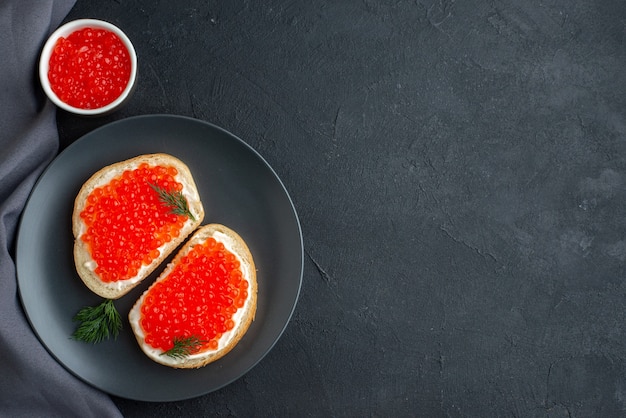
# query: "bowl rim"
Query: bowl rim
64,31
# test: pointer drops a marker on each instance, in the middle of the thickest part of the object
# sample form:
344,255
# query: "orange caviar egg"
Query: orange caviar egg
126,222
198,298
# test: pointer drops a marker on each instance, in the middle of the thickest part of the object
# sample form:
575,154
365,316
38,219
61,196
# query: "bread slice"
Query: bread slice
85,263
244,316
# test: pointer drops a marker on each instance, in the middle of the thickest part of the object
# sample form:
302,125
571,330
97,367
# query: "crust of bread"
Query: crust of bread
82,255
238,246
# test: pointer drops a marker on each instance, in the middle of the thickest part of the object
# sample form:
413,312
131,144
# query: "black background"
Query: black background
458,169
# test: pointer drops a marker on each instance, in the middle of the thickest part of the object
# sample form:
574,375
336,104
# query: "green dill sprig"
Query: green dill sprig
183,347
175,200
97,323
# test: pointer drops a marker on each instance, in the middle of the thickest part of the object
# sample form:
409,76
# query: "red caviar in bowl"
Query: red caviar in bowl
90,68
127,222
197,298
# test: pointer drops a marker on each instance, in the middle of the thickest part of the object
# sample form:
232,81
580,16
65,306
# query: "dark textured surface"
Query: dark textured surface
459,172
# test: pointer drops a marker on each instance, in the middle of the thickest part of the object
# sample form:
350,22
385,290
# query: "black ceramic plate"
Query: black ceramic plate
238,189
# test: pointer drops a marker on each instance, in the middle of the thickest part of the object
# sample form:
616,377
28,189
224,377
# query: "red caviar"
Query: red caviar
198,298
127,222
90,68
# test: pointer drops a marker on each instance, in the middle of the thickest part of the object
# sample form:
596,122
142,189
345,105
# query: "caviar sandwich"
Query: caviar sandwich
128,217
202,304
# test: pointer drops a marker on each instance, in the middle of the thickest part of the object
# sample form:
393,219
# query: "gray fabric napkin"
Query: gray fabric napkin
32,383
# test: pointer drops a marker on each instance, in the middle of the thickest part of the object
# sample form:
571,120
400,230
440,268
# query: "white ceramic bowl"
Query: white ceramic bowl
65,31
